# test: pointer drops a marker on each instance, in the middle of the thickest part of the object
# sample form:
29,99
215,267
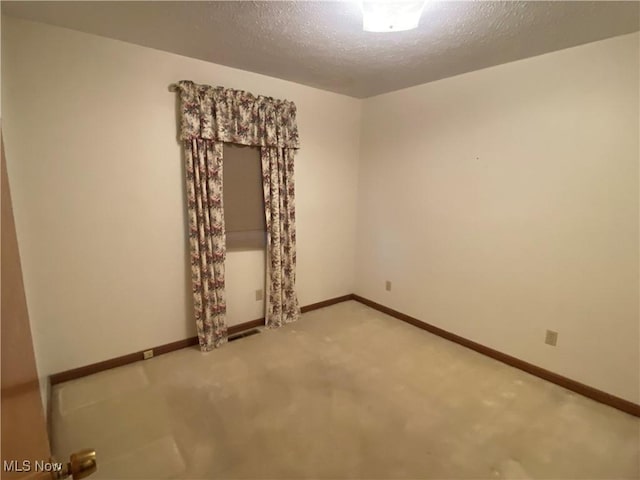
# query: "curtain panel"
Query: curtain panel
209,117
277,181
203,160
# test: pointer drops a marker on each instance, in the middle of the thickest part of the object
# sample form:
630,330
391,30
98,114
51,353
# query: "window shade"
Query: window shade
244,214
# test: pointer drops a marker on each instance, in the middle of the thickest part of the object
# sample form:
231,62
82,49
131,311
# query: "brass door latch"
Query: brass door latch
81,464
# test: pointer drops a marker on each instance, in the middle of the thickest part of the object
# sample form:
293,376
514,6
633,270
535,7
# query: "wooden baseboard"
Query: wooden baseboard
581,388
170,347
326,303
119,361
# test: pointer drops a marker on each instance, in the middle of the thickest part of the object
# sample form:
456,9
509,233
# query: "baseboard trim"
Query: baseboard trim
119,361
171,347
326,303
573,385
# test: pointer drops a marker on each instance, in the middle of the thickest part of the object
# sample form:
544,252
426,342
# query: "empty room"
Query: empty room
320,239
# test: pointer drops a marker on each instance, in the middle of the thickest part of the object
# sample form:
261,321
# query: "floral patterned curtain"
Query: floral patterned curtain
234,116
207,239
277,181
209,117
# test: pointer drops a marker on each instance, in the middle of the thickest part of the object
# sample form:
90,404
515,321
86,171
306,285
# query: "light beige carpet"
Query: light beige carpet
346,392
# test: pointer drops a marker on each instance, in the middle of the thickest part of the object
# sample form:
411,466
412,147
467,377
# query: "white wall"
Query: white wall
504,202
97,179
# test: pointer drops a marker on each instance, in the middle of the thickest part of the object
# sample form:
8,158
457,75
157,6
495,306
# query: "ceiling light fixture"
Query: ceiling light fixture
390,16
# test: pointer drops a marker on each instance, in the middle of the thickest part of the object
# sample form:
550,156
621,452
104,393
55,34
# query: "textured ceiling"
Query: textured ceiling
322,44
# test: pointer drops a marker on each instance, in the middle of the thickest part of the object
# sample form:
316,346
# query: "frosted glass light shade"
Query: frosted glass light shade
390,16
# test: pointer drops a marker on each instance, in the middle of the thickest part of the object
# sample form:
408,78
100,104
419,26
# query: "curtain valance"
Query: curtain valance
226,115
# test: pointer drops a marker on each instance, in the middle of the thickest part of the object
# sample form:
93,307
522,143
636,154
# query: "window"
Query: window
244,216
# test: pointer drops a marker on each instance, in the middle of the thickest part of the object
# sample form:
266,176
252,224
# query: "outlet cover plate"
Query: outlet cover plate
551,338
147,354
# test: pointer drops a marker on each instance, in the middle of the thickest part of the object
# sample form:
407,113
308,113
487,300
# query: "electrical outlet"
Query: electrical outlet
387,286
147,354
259,295
551,338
